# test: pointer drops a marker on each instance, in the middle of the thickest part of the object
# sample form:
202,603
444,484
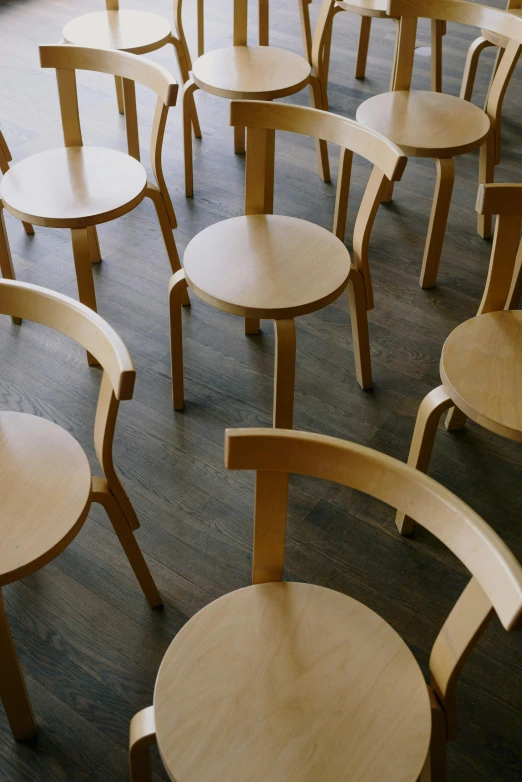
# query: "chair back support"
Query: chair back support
112,5
74,320
504,284
5,154
262,119
67,59
496,584
241,22
460,11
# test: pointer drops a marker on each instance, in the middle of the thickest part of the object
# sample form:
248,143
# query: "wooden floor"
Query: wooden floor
88,643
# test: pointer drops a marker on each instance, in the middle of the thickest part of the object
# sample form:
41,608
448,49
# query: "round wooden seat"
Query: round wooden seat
129,31
267,266
251,72
44,493
289,682
481,369
73,187
426,124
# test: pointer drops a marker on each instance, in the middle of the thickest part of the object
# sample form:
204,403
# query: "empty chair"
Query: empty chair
292,681
366,10
244,72
271,266
79,187
481,362
137,32
47,485
434,125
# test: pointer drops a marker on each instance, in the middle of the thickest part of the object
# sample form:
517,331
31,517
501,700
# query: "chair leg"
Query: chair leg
239,139
119,94
94,245
428,417
154,194
387,192
486,175
252,326
13,691
188,99
142,737
362,50
284,373
360,335
470,68
6,260
28,228
438,221
435,767
183,58
317,100
177,292
455,420
102,494
84,278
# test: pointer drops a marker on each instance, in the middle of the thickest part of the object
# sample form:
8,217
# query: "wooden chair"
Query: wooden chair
366,10
481,362
270,266
243,72
486,38
5,159
294,681
138,32
438,126
47,484
79,187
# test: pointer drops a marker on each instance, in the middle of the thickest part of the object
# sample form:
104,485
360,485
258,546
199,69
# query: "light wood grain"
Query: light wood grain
290,681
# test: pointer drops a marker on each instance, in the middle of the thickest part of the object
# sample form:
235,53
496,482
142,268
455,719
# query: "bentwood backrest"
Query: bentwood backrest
504,283
92,332
496,583
262,119
503,23
67,59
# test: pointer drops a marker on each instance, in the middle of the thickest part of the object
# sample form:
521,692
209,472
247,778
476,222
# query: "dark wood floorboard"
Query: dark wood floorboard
88,643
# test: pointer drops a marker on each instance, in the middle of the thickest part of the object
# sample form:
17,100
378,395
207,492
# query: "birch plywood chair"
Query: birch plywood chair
486,39
481,364
366,10
270,266
5,159
47,486
79,187
438,126
244,72
292,681
138,32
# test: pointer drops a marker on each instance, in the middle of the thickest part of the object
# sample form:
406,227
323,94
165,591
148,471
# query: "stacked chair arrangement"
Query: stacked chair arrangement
290,676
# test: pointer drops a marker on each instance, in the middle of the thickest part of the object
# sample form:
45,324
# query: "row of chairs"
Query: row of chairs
280,268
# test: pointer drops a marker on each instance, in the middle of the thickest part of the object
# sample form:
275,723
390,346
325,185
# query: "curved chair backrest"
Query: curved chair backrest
67,59
5,154
262,119
503,23
73,319
496,583
504,284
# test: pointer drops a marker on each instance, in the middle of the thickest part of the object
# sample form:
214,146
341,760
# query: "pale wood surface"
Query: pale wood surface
267,266
81,626
481,366
290,682
90,185
39,518
127,30
244,72
426,124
